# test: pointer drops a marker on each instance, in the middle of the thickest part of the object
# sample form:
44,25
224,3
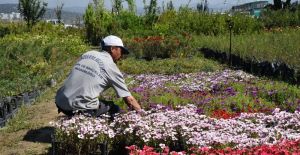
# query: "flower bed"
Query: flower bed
224,111
232,91
284,147
182,129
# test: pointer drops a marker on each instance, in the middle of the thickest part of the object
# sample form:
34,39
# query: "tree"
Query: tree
117,6
131,5
170,5
151,12
32,11
277,4
89,20
205,9
98,22
202,7
287,4
58,11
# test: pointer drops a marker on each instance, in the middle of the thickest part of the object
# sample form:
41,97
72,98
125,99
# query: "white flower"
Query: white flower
162,146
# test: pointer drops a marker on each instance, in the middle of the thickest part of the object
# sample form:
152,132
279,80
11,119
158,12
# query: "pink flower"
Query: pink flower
131,148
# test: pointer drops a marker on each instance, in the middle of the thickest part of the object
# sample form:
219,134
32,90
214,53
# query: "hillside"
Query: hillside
67,16
8,8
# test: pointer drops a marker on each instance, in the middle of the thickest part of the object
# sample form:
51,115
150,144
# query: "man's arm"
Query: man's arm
132,103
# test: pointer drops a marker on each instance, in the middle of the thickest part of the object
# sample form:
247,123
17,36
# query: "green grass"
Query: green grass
20,121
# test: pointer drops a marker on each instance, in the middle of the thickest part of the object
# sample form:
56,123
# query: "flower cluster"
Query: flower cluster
232,91
247,130
84,127
134,150
284,147
192,81
200,113
168,126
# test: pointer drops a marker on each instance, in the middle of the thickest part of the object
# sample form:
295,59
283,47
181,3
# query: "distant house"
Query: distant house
10,16
252,8
54,21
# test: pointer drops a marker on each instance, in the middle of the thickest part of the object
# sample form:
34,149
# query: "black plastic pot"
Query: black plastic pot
26,99
2,122
7,105
31,96
19,100
3,111
13,103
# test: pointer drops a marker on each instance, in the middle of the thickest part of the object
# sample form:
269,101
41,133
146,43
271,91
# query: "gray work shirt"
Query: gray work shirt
91,75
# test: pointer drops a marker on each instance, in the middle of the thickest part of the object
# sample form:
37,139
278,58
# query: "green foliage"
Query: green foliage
280,18
11,28
4,30
31,60
151,11
32,11
20,121
281,94
98,23
117,6
245,24
131,5
58,12
171,22
281,45
167,66
168,99
152,47
128,21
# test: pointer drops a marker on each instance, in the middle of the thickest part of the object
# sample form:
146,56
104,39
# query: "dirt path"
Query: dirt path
35,136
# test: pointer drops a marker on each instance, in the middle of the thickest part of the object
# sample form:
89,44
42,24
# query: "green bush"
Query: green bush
152,47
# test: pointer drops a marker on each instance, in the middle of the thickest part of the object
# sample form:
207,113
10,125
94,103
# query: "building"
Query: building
10,16
252,8
54,21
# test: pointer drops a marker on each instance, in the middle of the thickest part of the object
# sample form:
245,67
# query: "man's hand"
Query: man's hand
141,112
132,103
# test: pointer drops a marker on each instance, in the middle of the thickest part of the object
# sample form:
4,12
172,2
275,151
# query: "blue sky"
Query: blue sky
213,4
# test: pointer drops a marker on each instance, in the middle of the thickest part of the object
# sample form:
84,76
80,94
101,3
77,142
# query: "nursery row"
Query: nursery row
277,47
273,70
10,104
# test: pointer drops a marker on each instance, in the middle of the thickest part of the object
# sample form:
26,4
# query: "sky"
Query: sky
212,4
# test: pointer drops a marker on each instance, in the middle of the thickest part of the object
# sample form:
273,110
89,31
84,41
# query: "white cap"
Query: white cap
112,40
